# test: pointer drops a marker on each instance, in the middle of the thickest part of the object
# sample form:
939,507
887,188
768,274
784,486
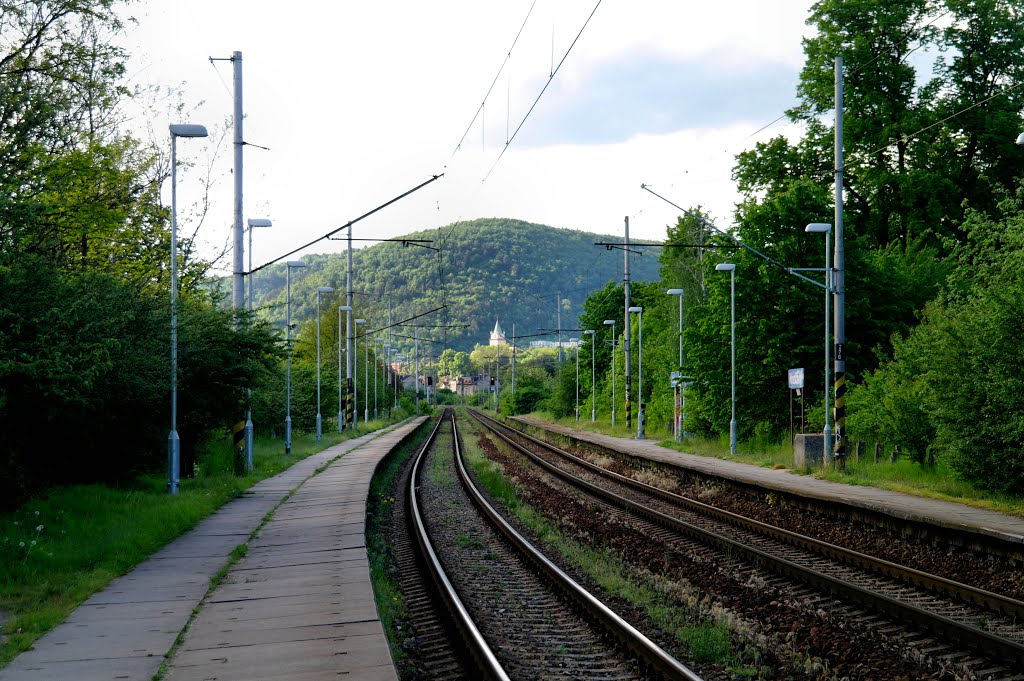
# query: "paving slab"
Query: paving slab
897,504
125,630
300,604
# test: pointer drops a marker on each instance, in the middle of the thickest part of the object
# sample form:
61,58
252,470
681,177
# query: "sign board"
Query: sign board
796,378
676,379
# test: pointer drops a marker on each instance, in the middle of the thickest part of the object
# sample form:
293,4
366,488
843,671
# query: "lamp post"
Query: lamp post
341,403
641,414
826,229
319,422
680,387
366,380
611,322
593,376
576,344
376,361
253,222
288,389
355,375
731,269
173,442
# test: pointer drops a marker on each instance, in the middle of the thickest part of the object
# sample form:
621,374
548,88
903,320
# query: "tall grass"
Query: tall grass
62,547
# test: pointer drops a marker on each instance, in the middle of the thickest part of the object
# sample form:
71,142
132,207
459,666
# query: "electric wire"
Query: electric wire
543,90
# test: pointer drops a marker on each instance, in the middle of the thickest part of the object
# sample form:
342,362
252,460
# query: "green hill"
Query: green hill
485,270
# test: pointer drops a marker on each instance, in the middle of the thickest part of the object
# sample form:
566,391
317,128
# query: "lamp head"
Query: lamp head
187,130
608,322
636,308
360,321
296,263
725,267
588,332
819,227
259,222
675,291
1020,138
324,289
344,308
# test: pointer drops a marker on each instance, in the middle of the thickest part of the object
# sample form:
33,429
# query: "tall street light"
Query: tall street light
680,387
319,422
253,222
641,410
611,322
826,229
576,343
593,375
731,269
366,379
173,442
355,375
341,403
288,389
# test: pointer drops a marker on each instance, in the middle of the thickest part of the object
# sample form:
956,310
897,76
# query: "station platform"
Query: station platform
298,606
906,507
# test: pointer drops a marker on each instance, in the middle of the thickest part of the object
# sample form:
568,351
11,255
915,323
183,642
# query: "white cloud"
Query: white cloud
362,101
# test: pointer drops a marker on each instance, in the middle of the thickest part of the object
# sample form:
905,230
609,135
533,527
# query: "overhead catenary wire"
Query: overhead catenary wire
543,89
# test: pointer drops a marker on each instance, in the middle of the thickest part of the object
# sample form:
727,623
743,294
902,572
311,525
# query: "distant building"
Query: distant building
498,336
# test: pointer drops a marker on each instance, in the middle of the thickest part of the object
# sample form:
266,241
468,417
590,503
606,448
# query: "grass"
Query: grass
935,482
391,606
62,547
706,638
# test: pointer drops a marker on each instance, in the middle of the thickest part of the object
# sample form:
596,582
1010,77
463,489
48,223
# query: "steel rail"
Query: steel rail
951,630
653,655
1003,605
479,650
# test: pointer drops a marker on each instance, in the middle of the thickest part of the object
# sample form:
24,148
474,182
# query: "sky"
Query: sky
358,102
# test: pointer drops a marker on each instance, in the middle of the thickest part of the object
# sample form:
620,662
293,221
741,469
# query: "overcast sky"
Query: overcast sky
360,101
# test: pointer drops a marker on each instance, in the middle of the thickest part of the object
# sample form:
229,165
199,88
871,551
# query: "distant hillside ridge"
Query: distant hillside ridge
485,270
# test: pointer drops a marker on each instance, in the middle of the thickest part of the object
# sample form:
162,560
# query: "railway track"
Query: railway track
982,629
517,614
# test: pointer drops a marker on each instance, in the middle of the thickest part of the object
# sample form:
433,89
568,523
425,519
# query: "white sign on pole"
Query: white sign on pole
796,378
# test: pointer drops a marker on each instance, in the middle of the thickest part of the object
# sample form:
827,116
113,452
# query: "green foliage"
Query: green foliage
533,388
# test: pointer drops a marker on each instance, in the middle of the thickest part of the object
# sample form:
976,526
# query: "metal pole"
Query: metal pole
416,364
593,378
640,411
238,284
839,281
615,340
349,405
366,380
625,335
341,414
732,423
319,422
577,380
173,441
827,442
682,379
248,411
288,380
376,355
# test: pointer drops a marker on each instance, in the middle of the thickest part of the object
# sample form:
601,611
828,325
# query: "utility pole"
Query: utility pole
237,280
839,281
349,402
625,337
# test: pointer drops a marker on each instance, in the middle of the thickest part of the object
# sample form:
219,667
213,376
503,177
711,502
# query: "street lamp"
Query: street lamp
319,423
731,269
366,380
341,405
611,322
640,414
576,343
593,375
288,390
826,229
376,361
355,381
253,222
679,387
1020,138
173,442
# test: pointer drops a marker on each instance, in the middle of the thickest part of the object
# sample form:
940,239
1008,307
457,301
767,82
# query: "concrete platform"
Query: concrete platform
298,606
947,514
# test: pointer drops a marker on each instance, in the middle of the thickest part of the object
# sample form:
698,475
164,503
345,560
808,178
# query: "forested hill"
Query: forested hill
486,269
